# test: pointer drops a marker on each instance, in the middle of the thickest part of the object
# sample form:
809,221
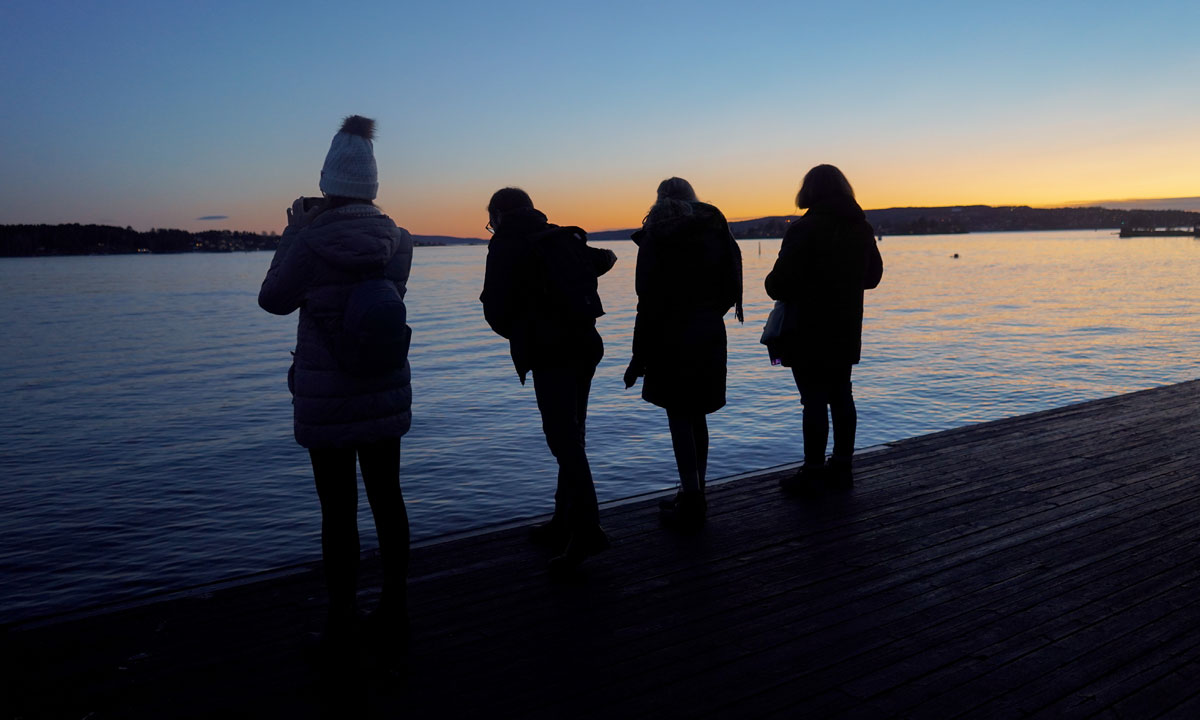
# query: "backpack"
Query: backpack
567,274
374,336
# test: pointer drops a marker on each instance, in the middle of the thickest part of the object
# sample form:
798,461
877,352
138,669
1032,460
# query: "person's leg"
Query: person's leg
562,400
549,387
683,441
814,397
381,476
700,440
845,415
562,395
689,438
337,488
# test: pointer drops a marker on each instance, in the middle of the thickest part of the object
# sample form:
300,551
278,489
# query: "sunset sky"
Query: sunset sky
157,114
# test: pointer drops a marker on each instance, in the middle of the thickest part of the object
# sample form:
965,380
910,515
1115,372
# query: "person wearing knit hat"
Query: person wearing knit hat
343,415
349,169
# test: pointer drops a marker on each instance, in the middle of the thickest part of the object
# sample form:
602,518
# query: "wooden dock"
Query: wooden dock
1043,565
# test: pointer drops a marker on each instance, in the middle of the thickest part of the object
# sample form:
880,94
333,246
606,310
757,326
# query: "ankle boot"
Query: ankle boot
839,473
808,481
687,509
582,545
551,535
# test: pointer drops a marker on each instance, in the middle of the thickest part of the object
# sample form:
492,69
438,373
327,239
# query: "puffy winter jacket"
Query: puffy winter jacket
314,269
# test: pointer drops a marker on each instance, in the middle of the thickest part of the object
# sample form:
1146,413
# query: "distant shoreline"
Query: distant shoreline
76,239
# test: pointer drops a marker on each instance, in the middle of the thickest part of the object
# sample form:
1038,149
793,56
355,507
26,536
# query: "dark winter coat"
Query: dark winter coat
827,259
514,300
314,269
688,277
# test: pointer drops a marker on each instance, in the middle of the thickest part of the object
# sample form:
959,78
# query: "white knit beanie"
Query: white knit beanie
349,169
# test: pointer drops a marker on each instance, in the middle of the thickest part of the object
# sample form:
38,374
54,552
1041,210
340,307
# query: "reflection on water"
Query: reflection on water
145,426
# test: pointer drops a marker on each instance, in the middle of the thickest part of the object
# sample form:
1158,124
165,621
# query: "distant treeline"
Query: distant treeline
75,239
971,218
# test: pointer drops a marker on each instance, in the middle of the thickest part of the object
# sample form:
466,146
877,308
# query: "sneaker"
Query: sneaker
685,510
580,547
808,481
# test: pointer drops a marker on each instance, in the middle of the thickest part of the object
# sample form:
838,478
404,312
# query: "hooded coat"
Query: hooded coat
827,259
688,277
315,269
515,307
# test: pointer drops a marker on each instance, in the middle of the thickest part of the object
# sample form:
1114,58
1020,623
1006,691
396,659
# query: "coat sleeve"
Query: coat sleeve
283,289
499,303
644,286
874,264
602,259
399,267
781,281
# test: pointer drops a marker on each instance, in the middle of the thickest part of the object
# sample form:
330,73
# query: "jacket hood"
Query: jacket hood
355,237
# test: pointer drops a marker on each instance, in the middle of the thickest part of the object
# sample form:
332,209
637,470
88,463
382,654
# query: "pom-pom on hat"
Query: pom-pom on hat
349,169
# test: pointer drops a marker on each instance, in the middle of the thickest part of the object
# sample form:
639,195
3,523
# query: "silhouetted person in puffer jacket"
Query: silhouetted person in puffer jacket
827,259
341,417
539,293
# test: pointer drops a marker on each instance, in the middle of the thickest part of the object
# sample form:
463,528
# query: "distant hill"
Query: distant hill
968,218
1183,203
446,240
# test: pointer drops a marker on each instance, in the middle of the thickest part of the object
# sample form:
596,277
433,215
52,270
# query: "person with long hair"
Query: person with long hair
342,417
827,259
689,275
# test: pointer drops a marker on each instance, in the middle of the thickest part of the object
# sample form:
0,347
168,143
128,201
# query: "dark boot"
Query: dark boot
686,510
387,627
807,482
551,535
335,650
581,545
839,473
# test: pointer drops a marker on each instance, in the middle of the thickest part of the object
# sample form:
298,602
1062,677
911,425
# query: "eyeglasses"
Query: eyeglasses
489,227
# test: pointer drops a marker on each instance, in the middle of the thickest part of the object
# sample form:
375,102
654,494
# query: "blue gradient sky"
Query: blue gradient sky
155,114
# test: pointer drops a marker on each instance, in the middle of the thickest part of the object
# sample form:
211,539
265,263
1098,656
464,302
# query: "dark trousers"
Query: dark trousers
824,392
562,399
337,487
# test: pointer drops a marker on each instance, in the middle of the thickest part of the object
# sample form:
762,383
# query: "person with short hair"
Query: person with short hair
827,259
539,292
689,275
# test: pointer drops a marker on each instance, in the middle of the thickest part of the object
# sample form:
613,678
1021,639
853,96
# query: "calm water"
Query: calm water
145,424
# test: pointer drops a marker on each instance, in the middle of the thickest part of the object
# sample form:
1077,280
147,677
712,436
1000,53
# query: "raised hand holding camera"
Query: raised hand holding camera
303,210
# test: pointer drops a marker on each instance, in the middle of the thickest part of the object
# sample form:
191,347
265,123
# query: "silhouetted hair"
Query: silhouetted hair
675,198
822,185
509,198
